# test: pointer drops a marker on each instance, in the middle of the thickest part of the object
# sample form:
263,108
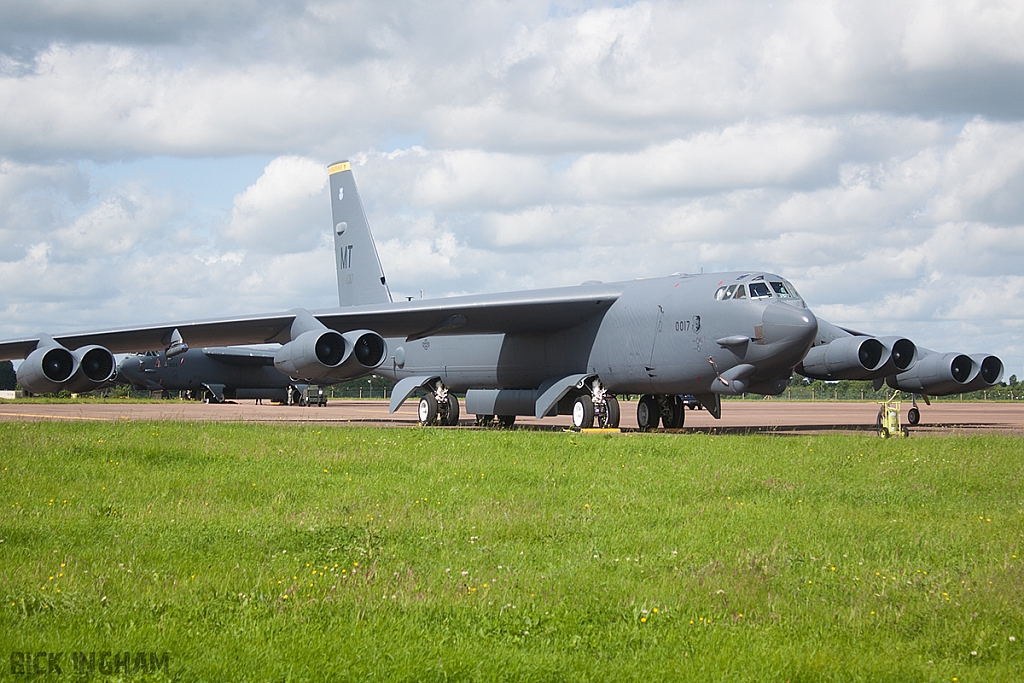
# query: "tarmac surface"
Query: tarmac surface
738,417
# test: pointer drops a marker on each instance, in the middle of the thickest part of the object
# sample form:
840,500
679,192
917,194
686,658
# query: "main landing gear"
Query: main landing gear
665,408
598,406
440,406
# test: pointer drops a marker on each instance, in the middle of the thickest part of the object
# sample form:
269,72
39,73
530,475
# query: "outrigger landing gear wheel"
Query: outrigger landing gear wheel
913,416
427,410
506,421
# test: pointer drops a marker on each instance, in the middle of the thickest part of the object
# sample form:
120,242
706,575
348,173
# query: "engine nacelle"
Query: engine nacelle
368,351
900,355
96,367
937,374
47,369
844,358
330,354
989,372
311,354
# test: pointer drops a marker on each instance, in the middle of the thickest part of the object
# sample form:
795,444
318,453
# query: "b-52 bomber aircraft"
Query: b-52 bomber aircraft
560,351
216,374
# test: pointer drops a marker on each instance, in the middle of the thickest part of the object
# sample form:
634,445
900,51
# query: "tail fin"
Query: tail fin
360,277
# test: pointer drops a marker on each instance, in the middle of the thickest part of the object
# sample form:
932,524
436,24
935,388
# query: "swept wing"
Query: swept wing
538,311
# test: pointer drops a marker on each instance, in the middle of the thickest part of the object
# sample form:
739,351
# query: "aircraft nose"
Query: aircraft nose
785,324
130,366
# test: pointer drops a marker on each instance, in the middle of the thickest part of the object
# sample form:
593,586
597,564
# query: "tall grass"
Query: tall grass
294,553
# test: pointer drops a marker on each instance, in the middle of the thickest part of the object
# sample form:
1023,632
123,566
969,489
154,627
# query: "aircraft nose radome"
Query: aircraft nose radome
128,366
788,325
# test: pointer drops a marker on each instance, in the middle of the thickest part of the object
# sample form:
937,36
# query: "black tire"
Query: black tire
427,412
484,420
610,418
675,415
451,415
583,412
883,432
506,421
648,413
913,416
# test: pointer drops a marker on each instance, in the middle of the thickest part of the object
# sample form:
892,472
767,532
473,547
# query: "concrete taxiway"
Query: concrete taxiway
738,417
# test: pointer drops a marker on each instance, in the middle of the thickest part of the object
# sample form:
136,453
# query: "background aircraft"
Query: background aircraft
567,350
214,374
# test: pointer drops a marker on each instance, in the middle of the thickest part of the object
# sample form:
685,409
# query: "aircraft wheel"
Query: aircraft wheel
583,412
484,420
451,416
913,416
675,416
428,410
648,412
610,418
506,421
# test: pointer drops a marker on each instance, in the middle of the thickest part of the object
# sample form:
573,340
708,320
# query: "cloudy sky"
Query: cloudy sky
161,160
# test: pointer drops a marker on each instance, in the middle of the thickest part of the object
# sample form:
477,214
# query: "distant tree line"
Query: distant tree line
803,389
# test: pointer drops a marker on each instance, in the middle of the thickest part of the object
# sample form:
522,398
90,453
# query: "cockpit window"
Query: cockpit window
780,289
720,294
741,292
759,290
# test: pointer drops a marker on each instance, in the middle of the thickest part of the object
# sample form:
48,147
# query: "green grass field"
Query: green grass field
266,553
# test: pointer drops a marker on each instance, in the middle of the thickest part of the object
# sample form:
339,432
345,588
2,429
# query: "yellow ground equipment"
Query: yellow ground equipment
888,422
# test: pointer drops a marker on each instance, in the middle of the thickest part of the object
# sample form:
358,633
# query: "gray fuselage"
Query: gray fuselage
657,337
194,370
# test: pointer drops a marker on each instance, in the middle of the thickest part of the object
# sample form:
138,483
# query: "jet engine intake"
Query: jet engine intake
327,353
96,367
47,369
989,372
900,356
937,374
311,354
364,351
844,358
369,348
